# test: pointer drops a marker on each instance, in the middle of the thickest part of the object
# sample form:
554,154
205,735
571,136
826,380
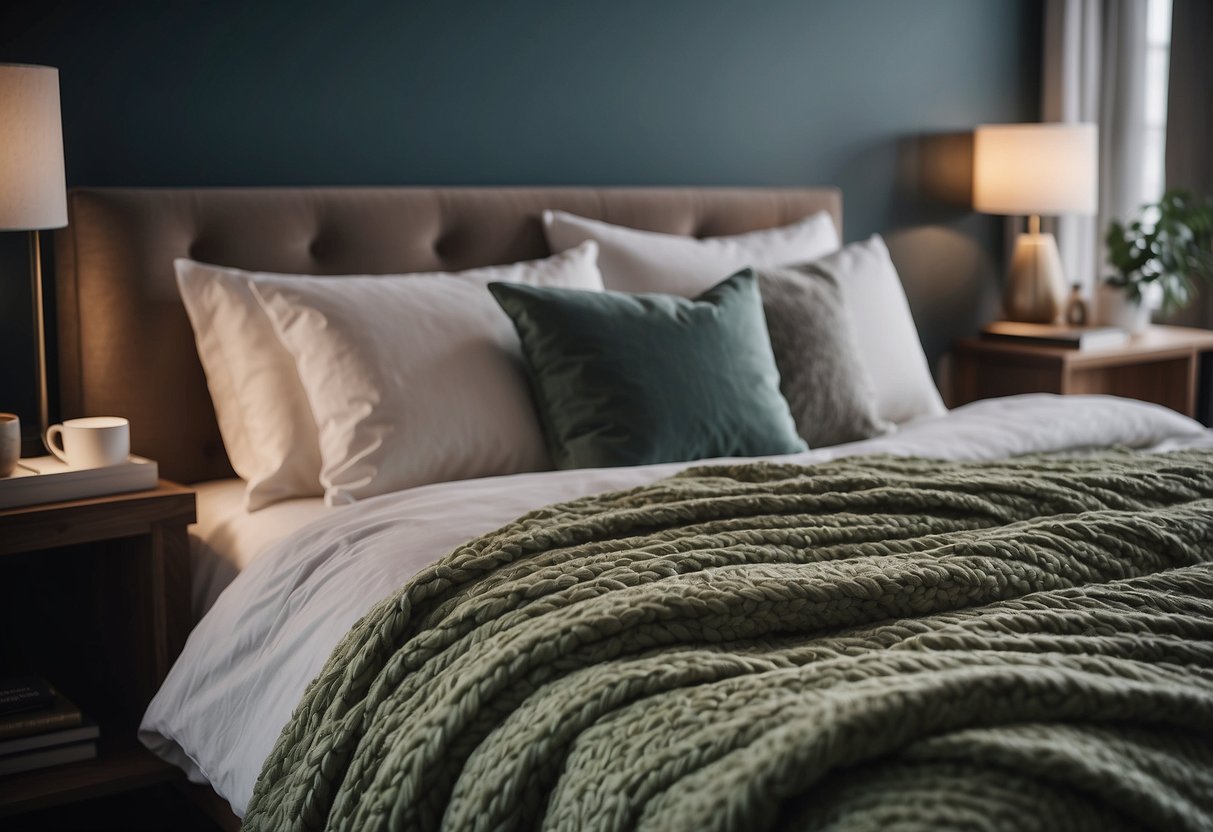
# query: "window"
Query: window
1158,56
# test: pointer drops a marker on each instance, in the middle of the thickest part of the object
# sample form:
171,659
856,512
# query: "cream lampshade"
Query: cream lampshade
32,191
1035,169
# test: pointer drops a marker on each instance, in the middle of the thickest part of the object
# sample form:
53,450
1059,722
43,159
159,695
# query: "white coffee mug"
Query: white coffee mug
10,443
91,442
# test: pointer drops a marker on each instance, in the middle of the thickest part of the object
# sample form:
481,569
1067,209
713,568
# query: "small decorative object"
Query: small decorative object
1158,259
1076,307
1035,169
10,443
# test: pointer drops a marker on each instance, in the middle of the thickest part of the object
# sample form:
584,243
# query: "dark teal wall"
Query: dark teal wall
778,92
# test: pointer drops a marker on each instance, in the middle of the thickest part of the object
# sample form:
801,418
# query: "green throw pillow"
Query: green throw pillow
624,379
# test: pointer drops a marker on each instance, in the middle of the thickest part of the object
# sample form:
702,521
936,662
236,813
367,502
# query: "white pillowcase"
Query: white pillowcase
889,347
647,261
263,413
419,378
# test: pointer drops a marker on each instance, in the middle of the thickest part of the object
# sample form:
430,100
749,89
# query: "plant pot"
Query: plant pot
1115,309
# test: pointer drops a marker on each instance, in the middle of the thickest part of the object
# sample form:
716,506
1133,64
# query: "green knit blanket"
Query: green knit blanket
864,644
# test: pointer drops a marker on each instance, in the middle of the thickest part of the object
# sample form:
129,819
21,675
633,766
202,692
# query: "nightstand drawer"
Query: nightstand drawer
1000,375
1169,382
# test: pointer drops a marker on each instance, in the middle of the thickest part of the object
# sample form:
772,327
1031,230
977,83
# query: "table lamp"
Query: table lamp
1035,169
33,195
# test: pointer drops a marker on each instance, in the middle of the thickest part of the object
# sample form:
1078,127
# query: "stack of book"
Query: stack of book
1052,335
39,727
45,479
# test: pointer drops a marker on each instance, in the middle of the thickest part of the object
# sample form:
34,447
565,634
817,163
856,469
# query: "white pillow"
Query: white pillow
889,348
419,378
647,261
263,413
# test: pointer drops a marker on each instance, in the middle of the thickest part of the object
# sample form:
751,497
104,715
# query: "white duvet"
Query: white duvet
245,666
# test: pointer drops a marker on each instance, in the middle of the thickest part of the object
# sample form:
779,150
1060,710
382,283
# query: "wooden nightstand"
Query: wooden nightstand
1159,366
94,596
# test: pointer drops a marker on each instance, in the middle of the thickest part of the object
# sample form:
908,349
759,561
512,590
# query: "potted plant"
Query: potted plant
1159,258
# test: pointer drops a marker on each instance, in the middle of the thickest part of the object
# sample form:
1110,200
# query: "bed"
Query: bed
362,666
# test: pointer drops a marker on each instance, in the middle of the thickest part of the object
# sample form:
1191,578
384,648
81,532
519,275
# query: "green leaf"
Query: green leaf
1169,242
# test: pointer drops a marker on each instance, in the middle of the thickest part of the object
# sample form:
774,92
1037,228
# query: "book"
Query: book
88,730
1050,335
23,693
16,763
61,714
46,479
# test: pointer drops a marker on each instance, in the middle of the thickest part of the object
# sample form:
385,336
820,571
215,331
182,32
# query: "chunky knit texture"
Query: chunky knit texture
862,644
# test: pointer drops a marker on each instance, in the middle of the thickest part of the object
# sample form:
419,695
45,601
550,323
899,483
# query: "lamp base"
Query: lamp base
1036,287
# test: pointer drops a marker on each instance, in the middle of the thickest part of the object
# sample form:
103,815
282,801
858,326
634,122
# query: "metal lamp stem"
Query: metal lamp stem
35,255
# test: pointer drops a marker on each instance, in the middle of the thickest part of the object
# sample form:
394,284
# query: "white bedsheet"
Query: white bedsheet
247,663
226,537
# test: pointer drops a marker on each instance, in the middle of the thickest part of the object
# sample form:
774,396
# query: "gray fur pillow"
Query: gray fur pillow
821,376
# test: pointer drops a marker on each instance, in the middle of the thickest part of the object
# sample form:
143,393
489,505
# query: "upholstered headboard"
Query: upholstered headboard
125,345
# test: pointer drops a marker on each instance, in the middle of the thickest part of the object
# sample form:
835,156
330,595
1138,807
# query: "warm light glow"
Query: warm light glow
32,190
1035,169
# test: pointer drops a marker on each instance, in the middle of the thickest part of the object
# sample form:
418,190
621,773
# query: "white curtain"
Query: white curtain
1094,71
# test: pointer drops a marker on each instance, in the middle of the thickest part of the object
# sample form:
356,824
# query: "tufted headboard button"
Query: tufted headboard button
447,244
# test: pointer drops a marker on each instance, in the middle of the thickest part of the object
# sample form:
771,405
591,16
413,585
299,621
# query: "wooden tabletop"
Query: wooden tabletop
46,525
1156,343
